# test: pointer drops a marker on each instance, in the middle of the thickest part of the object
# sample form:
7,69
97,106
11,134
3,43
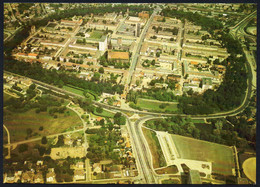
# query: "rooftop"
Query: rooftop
118,55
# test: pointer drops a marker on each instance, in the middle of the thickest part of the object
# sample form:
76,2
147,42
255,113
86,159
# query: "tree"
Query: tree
29,131
41,150
101,70
32,86
99,109
162,106
22,148
44,140
163,20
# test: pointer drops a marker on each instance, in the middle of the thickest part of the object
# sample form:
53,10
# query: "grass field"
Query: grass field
221,156
77,91
96,34
6,97
105,113
171,181
17,123
154,105
155,148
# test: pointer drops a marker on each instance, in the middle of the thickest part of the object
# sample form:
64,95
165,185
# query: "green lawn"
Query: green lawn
221,156
17,123
96,34
105,113
171,181
155,148
6,97
154,105
77,91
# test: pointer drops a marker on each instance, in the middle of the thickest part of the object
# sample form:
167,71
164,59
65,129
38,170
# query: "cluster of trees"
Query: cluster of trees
60,78
102,144
147,63
117,64
219,131
174,30
119,119
161,94
205,22
41,104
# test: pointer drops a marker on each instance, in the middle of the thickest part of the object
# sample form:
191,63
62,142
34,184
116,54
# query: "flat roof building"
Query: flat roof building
117,55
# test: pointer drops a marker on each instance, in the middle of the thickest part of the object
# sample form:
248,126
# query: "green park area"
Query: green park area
154,105
40,124
96,34
171,181
6,97
155,148
221,156
78,91
104,113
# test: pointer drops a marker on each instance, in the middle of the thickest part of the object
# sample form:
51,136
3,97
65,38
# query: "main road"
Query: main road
137,49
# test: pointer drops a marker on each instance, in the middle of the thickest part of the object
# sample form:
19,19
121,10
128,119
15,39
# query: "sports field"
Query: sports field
221,156
154,105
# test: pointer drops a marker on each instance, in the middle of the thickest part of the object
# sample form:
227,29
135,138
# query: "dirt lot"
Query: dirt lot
64,152
169,170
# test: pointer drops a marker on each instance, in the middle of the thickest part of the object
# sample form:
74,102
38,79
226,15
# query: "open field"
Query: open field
18,123
96,34
104,113
171,181
155,148
154,105
249,168
221,156
6,96
70,89
77,91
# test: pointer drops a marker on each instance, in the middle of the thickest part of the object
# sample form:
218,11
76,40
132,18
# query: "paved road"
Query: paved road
138,48
238,30
209,116
84,126
9,142
144,167
37,139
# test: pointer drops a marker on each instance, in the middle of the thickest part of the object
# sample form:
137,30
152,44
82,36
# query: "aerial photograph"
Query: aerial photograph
129,93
